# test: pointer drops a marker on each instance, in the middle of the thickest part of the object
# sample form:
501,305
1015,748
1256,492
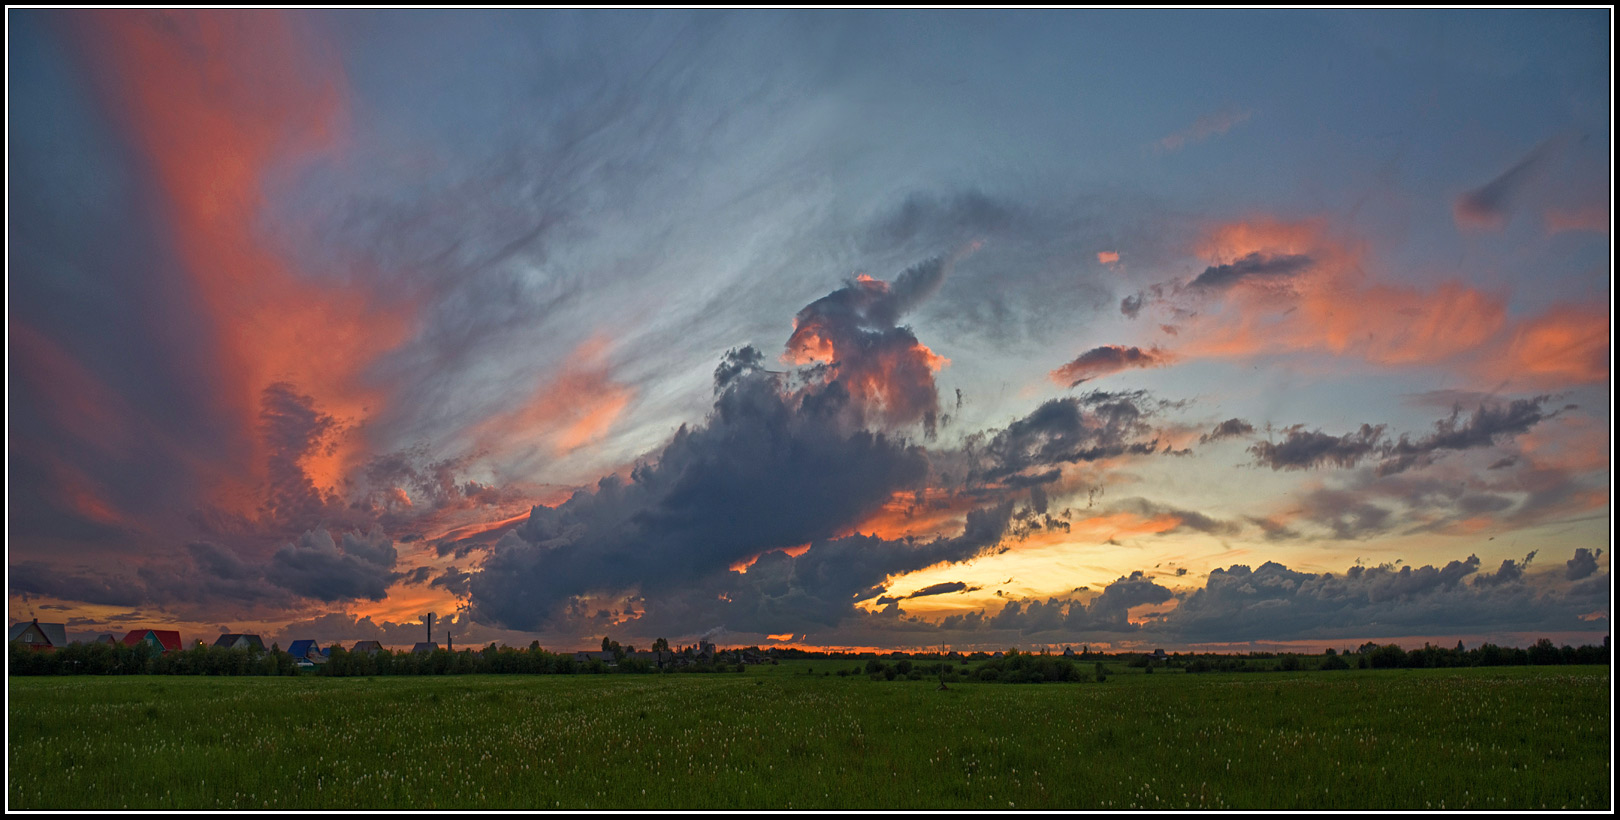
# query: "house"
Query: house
366,647
606,657
165,640
1068,652
306,650
424,648
36,635
1158,655
106,638
237,640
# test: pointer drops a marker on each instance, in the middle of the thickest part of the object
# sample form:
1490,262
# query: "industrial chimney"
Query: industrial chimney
429,621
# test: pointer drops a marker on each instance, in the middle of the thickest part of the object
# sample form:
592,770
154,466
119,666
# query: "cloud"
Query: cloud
1254,267
355,565
771,468
1594,218
1488,207
1303,449
1231,428
1509,572
1209,125
73,584
854,332
1063,431
1583,565
453,581
1276,603
1107,257
1101,361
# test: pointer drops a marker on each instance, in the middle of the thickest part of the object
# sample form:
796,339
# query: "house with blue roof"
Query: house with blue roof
306,653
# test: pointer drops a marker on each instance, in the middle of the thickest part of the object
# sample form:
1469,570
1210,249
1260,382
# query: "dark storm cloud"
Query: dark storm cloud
1582,565
352,566
769,469
1231,428
1253,267
74,584
417,576
1106,359
292,428
453,581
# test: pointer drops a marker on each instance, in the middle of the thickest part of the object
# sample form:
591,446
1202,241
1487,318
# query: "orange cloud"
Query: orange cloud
1569,344
1330,305
213,101
576,407
1594,217
1107,257
939,512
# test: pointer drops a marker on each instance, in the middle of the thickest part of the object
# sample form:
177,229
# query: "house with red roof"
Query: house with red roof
166,640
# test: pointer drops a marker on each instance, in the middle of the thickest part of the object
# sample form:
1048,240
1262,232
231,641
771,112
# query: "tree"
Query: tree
660,645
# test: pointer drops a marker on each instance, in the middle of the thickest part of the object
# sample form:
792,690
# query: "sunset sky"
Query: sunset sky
1222,329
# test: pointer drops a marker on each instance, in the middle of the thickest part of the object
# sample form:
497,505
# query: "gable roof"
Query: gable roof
230,639
424,647
167,639
55,634
367,646
303,649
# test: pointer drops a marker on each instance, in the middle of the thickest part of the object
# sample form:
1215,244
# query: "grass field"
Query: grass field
775,738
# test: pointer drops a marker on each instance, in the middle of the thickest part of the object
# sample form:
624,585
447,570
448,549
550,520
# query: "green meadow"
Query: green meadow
794,737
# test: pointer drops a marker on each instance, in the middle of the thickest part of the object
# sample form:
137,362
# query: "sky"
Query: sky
1129,329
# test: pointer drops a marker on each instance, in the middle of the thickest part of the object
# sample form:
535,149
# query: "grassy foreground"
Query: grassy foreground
1499,738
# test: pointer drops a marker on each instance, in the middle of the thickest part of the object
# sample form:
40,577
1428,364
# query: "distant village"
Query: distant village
308,653
45,650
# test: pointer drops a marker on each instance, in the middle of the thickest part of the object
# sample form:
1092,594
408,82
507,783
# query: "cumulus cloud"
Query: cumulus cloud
1274,602
772,467
1583,565
1106,359
854,332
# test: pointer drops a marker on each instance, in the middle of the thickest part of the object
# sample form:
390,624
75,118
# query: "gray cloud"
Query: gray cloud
1231,428
1303,449
1488,206
1106,359
355,565
1065,431
1583,565
769,469
1251,268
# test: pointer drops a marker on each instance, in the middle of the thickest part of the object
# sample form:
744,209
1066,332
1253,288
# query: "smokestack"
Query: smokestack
429,620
